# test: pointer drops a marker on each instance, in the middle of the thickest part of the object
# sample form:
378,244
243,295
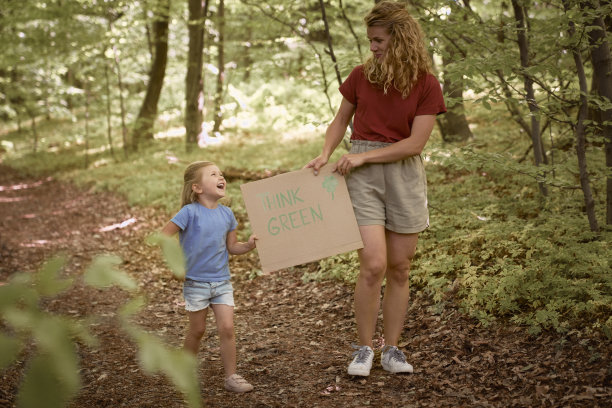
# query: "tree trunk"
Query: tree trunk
602,71
218,115
34,132
580,133
143,128
350,26
86,124
329,42
194,91
523,43
454,125
109,113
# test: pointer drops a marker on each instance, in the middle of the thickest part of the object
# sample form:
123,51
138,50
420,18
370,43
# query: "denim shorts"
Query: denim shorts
390,194
199,295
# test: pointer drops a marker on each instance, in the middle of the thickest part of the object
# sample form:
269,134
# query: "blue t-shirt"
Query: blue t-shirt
203,239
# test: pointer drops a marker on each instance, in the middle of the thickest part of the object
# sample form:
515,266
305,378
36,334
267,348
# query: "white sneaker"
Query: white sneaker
394,360
362,361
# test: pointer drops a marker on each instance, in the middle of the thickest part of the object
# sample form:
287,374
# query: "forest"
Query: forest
103,103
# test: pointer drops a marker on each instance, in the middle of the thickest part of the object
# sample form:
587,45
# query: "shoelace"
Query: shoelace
362,354
395,354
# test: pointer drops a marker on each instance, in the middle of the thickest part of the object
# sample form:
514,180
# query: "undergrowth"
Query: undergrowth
495,246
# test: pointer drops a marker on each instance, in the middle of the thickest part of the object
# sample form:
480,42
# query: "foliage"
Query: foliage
49,342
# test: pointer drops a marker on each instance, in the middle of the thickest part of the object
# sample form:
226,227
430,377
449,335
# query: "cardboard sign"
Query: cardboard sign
299,217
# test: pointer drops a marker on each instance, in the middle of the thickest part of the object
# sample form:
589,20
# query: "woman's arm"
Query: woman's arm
238,248
333,135
170,229
411,146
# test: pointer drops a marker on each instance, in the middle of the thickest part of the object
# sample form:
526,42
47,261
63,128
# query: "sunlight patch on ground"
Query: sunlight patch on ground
35,244
118,225
24,186
13,199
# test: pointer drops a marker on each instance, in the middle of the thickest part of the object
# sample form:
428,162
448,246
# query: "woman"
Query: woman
394,99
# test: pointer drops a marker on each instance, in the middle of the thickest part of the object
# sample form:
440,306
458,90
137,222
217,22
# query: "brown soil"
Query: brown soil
293,338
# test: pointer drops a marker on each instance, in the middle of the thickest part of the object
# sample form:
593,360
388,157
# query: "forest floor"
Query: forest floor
293,338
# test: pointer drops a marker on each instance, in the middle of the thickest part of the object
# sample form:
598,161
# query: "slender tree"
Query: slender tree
194,85
520,15
602,72
218,115
143,128
579,129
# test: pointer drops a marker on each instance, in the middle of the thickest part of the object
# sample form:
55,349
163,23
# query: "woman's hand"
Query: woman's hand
348,162
316,164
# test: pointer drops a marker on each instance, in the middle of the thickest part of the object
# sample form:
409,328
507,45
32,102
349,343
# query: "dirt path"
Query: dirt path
293,338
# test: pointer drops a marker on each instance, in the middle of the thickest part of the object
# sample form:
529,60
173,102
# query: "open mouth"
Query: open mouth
221,185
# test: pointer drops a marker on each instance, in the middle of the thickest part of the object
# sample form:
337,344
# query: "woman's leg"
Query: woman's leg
373,262
224,316
197,328
400,251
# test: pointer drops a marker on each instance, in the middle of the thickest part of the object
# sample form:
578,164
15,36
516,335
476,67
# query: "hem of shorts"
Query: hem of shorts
196,310
414,230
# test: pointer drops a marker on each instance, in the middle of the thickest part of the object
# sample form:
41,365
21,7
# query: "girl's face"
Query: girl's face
379,40
211,184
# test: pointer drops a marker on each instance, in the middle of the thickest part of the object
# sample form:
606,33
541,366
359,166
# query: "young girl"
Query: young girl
207,233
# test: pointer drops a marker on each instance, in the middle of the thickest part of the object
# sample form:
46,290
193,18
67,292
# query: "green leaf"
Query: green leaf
173,253
9,349
102,273
177,364
47,280
45,385
132,307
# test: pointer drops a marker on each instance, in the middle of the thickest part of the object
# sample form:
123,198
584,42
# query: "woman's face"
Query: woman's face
379,40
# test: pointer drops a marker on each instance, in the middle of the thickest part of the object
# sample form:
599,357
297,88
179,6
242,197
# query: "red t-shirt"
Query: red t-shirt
388,118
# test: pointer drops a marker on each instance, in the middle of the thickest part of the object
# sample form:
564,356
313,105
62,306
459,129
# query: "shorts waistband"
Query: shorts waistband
369,143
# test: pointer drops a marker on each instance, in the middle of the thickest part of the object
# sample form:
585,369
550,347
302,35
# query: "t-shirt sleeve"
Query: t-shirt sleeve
431,100
348,89
233,224
181,219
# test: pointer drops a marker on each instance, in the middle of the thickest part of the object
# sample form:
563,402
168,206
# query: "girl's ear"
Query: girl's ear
196,188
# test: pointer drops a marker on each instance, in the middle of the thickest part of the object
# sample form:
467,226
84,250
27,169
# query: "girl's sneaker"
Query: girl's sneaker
236,383
362,361
394,360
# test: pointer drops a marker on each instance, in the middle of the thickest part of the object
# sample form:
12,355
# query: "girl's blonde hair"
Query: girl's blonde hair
193,174
406,58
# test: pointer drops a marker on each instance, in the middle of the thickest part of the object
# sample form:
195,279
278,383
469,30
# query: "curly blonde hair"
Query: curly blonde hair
406,58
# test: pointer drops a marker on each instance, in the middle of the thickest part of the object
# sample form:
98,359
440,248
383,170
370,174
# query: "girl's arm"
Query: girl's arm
238,248
411,146
333,135
170,229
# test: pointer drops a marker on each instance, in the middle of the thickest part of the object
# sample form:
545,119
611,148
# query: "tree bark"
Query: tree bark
602,71
143,128
580,133
221,66
194,85
109,113
523,43
454,125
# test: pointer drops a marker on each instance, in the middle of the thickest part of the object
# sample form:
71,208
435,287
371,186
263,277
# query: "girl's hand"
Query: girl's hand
316,164
252,243
348,162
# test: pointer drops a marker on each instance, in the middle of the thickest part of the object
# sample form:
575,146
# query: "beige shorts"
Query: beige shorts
390,194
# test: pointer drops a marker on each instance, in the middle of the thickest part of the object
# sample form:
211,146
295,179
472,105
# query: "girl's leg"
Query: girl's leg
197,328
224,316
400,251
372,259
